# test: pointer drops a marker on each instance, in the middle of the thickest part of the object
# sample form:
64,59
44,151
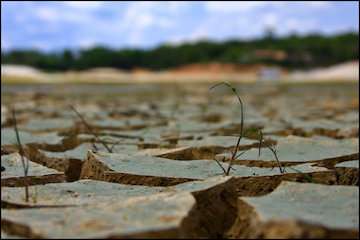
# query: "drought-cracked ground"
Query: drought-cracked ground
144,161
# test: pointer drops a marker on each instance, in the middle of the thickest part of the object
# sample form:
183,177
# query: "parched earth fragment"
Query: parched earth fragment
208,147
349,164
13,176
294,149
47,125
75,193
80,152
4,113
162,152
85,192
8,137
208,212
7,236
71,161
261,185
144,216
155,171
298,210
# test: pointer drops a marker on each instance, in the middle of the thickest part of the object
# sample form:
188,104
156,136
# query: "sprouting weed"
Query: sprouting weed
273,150
234,154
24,161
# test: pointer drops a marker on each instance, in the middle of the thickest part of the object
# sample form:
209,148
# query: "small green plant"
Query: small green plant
91,131
272,149
234,154
24,161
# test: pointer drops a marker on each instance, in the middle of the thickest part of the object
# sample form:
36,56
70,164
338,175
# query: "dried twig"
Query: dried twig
24,162
91,130
234,153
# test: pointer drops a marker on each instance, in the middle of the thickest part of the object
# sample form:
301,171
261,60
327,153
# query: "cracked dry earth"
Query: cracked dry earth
161,179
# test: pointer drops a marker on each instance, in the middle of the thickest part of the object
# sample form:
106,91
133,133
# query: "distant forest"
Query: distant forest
292,51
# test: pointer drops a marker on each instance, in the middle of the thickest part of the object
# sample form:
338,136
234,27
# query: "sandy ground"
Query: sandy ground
213,72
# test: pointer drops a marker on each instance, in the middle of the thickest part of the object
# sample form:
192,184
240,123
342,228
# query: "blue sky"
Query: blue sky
56,25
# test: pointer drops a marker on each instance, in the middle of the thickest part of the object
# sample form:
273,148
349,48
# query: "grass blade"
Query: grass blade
24,163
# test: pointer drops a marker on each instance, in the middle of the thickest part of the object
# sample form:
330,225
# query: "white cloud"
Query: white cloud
140,15
51,14
243,6
87,43
230,6
150,23
47,14
300,26
5,44
318,4
270,19
88,5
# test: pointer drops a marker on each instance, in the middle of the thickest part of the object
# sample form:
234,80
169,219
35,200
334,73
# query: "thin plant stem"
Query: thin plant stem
91,130
24,163
224,170
282,170
234,153
260,143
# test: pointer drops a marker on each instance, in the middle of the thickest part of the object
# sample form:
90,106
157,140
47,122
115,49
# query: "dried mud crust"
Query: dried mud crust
94,169
328,162
32,180
67,143
297,210
248,225
18,230
217,211
80,128
71,167
212,214
209,152
336,134
258,186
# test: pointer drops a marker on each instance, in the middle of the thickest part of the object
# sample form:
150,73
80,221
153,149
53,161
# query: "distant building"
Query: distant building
269,74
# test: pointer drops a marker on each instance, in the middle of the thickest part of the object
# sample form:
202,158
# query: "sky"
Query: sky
52,26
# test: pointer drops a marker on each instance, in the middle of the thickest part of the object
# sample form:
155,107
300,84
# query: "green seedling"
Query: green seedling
91,131
234,154
272,149
24,162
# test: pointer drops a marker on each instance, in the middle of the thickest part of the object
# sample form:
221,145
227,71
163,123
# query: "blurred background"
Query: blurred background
179,41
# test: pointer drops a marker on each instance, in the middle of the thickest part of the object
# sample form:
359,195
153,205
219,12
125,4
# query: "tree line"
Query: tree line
293,51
